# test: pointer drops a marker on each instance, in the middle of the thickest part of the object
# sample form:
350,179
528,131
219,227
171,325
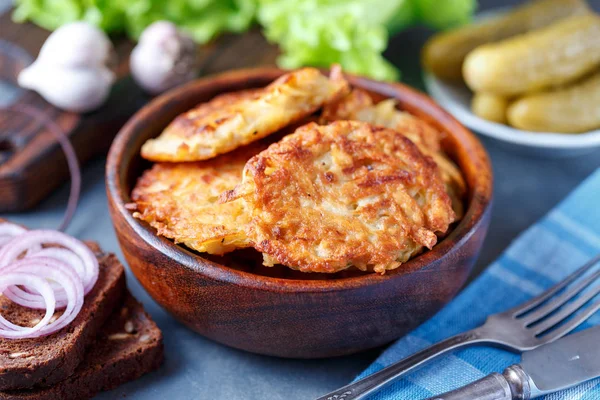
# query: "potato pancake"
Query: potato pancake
358,105
180,200
224,124
346,194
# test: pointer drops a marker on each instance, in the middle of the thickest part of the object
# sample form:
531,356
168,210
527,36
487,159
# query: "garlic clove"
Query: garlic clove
158,31
164,58
72,70
72,89
77,44
152,69
27,77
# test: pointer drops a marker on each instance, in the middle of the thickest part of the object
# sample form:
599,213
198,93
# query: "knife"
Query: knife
567,362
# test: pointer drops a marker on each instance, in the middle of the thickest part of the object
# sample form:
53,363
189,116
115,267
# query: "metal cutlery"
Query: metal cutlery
556,366
534,323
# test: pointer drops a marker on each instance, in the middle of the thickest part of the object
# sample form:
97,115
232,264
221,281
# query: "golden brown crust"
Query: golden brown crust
226,123
359,106
180,200
349,193
187,122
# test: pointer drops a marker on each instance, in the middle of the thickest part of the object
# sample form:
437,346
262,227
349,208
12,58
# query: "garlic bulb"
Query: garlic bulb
71,71
163,58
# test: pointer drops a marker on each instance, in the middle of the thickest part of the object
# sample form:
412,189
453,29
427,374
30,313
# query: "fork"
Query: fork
519,329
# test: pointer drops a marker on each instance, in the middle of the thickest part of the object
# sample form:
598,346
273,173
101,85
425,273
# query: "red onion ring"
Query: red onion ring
60,254
72,162
8,231
46,278
62,274
12,331
13,249
48,268
63,255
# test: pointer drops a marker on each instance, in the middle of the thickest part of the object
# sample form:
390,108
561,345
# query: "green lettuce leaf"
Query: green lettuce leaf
353,33
202,19
48,14
321,32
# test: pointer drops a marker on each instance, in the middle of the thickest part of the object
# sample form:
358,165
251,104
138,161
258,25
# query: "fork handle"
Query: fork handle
512,384
362,388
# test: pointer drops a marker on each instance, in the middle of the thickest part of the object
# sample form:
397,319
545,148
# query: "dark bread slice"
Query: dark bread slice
27,363
129,346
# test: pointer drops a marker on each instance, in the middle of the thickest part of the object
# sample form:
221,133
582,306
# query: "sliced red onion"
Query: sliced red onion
72,296
49,268
8,231
89,264
64,255
12,331
63,139
65,273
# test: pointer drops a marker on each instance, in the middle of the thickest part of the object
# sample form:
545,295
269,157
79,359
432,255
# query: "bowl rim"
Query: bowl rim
478,207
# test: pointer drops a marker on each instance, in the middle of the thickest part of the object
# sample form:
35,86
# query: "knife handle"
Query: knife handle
512,384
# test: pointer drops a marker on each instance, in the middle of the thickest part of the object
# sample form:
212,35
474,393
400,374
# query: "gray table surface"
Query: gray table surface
525,189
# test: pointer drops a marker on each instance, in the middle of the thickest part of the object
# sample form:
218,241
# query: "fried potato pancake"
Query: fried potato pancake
346,194
230,121
358,105
180,200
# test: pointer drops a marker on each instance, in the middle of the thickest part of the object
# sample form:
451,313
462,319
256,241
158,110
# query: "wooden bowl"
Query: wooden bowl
291,316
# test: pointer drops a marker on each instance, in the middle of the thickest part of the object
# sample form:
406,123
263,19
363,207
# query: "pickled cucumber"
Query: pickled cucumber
551,56
444,53
572,110
490,107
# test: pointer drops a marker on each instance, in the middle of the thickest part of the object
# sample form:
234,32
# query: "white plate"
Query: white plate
456,98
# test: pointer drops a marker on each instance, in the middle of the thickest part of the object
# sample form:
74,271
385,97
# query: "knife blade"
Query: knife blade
556,366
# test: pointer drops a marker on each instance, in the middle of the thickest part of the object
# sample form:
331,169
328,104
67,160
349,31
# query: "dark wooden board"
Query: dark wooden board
31,161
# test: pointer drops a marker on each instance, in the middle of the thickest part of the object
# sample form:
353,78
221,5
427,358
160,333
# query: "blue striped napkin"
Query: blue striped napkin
541,256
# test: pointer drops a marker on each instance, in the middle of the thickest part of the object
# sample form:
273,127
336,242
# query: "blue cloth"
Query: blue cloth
544,254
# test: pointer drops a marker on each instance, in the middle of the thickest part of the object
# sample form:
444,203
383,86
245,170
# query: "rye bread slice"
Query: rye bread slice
129,346
27,363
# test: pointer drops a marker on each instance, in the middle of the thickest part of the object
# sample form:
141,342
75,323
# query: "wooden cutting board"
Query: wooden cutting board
31,161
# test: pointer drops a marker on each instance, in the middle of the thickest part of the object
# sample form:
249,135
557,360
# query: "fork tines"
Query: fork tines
556,312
